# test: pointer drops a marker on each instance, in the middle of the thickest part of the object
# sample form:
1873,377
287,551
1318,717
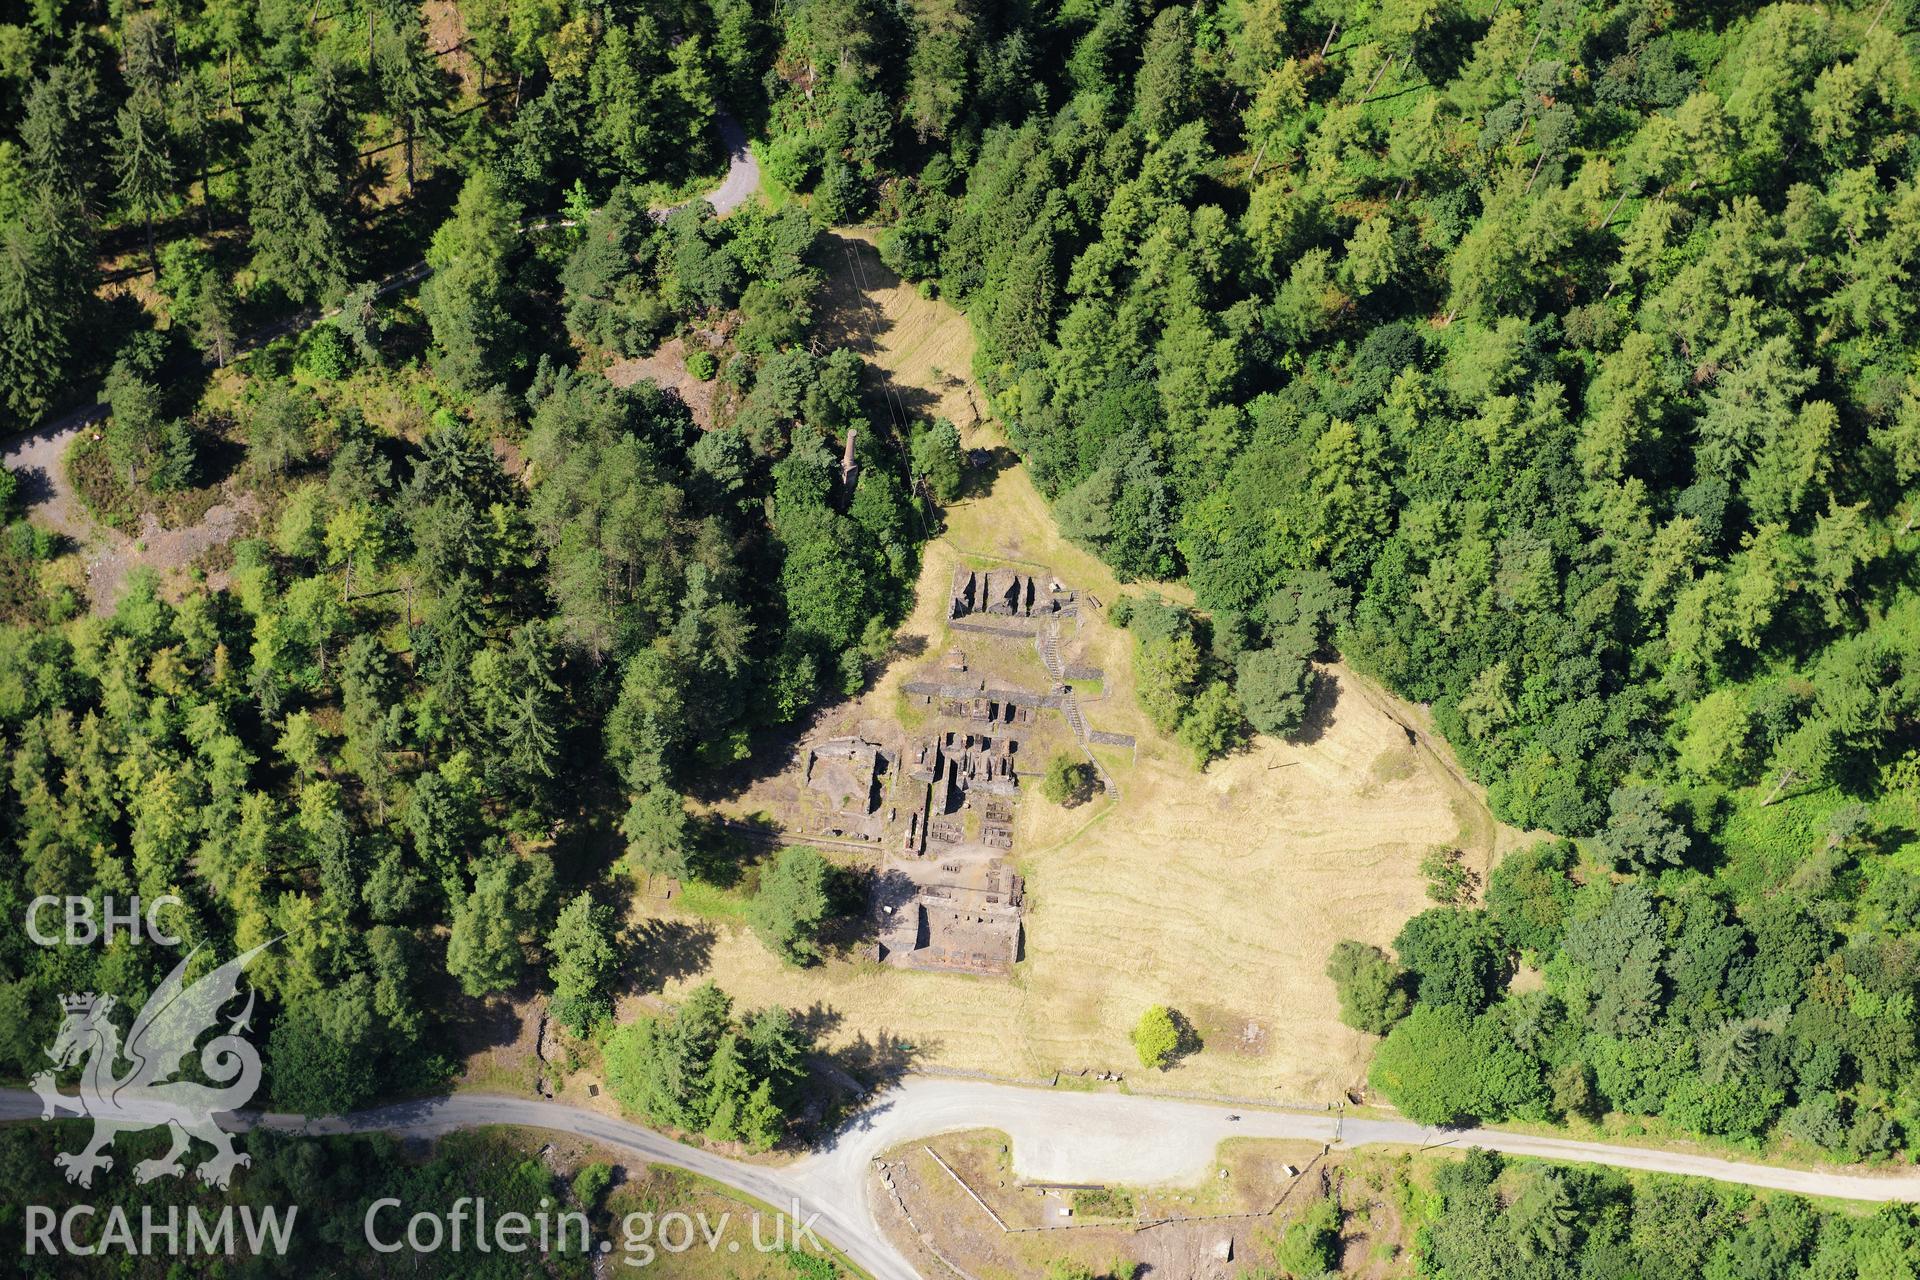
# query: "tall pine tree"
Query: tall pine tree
143,162
296,175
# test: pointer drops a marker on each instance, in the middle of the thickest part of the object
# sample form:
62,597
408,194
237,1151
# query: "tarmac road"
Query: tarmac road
1057,1136
743,171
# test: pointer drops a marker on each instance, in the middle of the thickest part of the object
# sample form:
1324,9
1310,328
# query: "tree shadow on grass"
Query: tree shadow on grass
770,752
843,1079
850,316
983,470
880,1058
1322,700
723,848
1188,1040
220,447
475,1024
663,951
862,897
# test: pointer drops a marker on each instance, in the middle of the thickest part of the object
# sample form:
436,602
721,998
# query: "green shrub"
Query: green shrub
1275,685
326,353
1103,1202
938,460
1068,781
791,903
792,162
1156,1038
591,1183
1529,894
840,196
702,365
1372,990
177,462
1310,1245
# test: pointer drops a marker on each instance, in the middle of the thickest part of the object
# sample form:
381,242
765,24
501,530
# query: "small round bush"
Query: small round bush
326,354
702,365
1157,1038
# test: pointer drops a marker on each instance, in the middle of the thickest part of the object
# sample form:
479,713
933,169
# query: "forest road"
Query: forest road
743,169
1057,1136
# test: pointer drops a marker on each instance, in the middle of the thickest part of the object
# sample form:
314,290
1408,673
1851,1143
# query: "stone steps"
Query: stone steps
1047,642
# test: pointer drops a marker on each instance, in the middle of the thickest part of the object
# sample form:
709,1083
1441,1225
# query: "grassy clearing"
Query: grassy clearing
1227,888
104,488
704,901
1105,1202
920,348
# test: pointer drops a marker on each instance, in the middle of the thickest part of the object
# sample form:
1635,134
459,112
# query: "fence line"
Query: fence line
991,1077
925,1237
1287,1104
972,1194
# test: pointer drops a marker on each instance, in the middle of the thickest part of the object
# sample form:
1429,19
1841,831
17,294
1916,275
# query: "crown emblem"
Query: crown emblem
161,1044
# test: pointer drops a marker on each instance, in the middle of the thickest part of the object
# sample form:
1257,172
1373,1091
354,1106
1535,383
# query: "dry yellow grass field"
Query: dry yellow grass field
922,345
1218,893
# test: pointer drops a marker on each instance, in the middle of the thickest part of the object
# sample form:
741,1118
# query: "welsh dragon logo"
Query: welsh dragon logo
147,1096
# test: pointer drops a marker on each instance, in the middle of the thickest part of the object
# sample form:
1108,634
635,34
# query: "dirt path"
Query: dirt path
38,457
666,367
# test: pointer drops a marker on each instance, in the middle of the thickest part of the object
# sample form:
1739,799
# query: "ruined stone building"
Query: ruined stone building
1005,593
969,925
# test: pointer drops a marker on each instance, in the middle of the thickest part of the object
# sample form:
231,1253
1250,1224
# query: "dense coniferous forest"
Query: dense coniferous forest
1503,1221
336,1181
500,609
1554,364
